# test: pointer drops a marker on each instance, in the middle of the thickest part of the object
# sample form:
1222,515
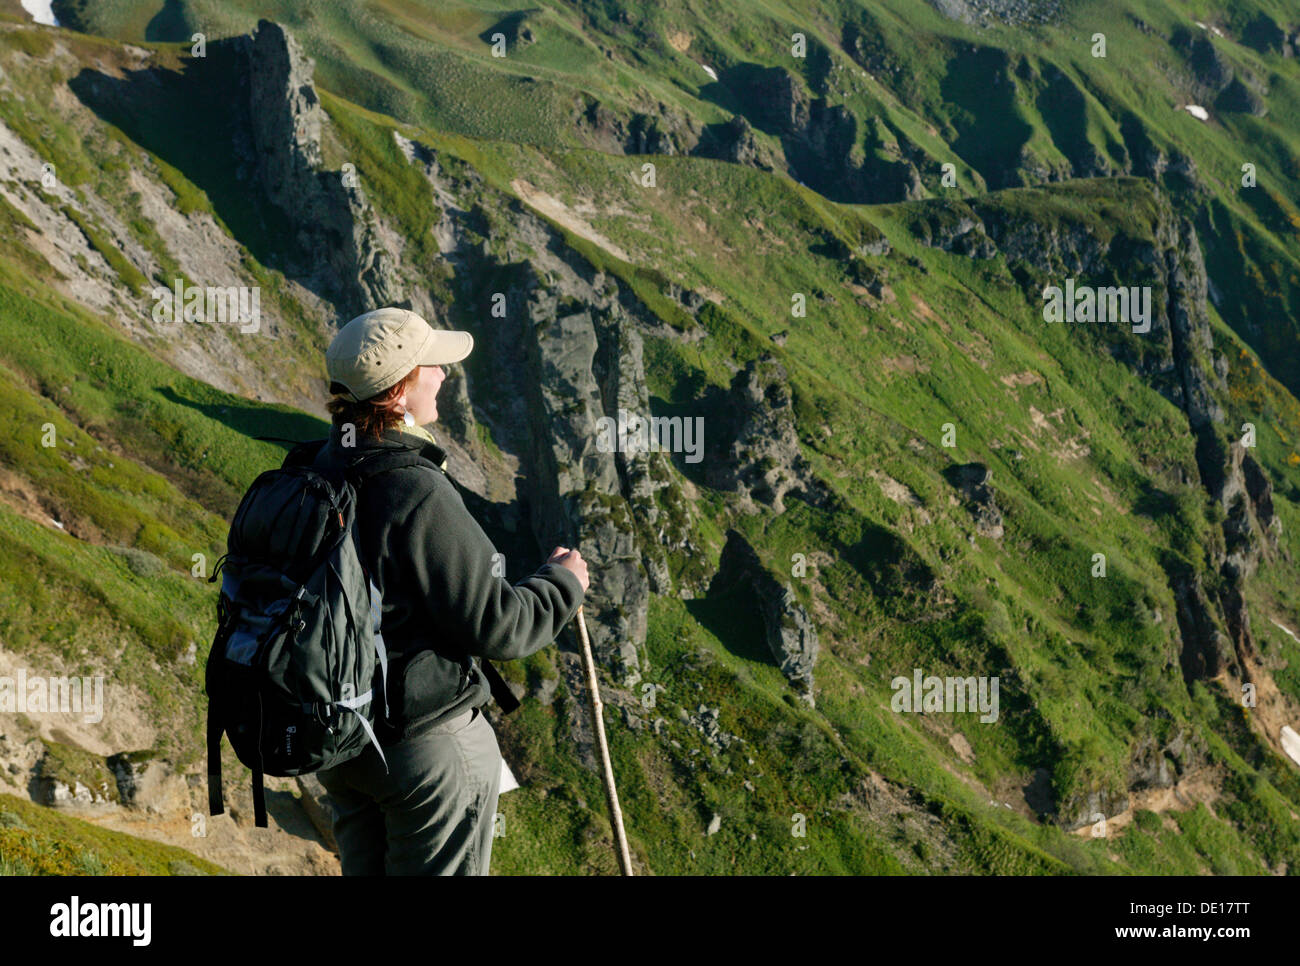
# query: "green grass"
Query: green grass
1091,671
42,841
1088,455
144,461
127,273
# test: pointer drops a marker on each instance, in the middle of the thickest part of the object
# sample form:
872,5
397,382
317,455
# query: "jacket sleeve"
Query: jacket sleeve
451,566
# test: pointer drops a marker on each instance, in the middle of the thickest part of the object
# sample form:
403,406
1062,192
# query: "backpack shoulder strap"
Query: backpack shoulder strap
302,454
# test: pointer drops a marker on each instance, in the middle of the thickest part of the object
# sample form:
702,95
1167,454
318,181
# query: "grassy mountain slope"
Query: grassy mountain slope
1087,454
1005,104
39,841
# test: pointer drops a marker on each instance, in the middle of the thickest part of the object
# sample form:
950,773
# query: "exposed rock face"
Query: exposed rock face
820,140
972,481
953,227
86,784
147,782
660,130
1016,12
735,141
620,370
663,132
791,637
56,793
1214,78
756,453
576,487
789,631
1206,649
1046,245
1189,327
1227,472
1240,98
1087,808
1177,356
567,355
338,236
1152,765
1210,68
1250,526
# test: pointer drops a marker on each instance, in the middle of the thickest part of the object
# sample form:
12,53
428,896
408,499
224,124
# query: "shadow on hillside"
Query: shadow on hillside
170,25
980,93
900,580
734,617
254,420
731,609
1154,502
197,120
709,449
747,90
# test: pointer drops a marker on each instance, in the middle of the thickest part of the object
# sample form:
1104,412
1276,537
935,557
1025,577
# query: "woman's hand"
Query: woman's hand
570,560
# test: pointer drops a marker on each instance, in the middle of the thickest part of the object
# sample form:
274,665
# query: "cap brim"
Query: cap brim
445,347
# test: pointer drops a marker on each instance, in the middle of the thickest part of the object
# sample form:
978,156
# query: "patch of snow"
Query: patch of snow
56,523
710,71
42,11
1291,743
1198,112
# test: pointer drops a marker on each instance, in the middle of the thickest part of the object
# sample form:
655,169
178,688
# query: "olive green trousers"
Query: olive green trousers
431,813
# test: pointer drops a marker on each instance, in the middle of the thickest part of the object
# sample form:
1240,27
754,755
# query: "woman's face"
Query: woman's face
421,398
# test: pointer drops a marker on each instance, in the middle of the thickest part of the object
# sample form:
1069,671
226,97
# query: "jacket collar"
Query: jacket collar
393,439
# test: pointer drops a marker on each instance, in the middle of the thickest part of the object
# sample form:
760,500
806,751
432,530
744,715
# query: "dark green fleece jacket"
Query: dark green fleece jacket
442,605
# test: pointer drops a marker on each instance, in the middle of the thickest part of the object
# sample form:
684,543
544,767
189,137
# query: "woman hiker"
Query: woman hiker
432,811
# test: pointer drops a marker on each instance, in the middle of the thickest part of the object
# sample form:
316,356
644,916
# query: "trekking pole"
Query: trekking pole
598,722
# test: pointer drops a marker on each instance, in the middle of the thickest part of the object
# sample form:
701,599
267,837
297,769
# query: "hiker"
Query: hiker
432,811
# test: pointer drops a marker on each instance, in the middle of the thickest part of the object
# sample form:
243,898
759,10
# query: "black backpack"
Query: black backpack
297,675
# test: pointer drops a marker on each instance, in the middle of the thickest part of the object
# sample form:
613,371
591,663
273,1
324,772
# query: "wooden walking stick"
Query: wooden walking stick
598,722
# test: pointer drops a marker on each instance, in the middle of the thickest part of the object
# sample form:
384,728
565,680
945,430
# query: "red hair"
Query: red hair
370,416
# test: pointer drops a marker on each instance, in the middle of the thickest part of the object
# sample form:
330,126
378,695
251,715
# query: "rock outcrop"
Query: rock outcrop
337,242
822,142
735,141
789,632
147,782
972,481
1205,648
1176,355
826,146
1228,473
566,358
756,451
1214,79
953,227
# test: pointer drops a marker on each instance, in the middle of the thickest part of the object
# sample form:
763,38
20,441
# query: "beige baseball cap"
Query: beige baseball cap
376,349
